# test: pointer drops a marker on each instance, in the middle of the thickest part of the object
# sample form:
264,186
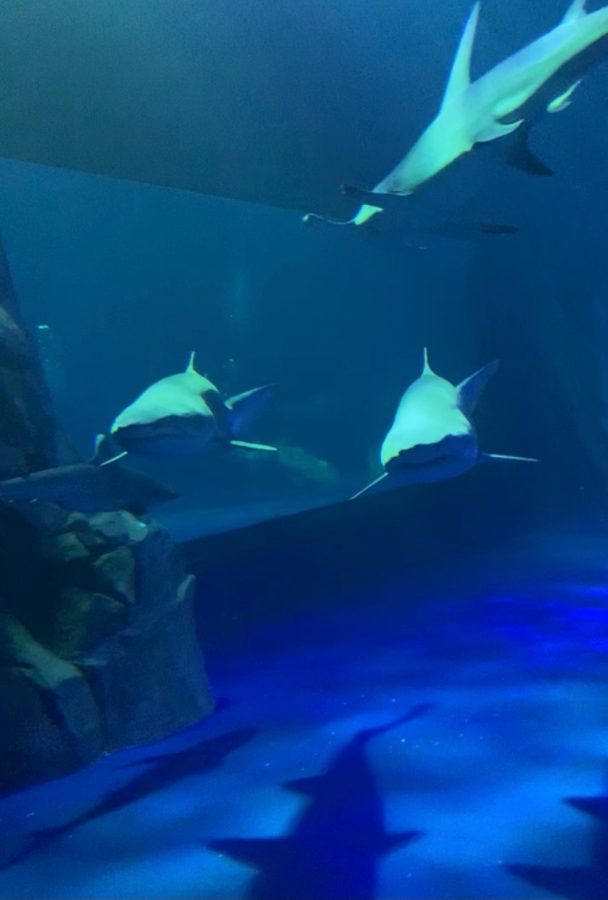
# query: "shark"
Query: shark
87,488
540,78
432,437
183,413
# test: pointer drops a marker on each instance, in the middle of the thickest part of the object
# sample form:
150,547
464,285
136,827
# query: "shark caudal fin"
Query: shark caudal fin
470,390
501,457
244,408
460,74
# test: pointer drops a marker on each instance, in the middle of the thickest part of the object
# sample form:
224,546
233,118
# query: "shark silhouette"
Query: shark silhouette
161,771
432,436
334,847
540,78
183,413
588,882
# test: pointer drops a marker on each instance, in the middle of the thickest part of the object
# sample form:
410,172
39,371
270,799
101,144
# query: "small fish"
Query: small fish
87,488
540,78
184,413
432,437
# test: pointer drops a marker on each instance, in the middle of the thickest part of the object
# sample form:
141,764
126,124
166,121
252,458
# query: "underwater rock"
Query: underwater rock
49,722
83,622
65,548
120,526
116,573
106,654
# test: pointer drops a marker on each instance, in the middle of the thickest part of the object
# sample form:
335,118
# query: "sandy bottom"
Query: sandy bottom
437,733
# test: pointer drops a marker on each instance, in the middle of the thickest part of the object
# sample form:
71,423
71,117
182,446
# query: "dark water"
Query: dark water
418,723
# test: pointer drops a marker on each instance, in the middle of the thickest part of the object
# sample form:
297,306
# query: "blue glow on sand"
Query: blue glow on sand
415,749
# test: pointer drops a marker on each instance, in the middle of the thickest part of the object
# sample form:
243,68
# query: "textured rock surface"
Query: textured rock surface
98,646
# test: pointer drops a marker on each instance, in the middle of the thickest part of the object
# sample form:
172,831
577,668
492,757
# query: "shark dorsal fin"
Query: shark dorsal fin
460,74
426,369
576,10
191,367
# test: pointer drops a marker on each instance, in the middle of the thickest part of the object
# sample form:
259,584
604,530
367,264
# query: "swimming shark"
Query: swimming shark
432,437
183,413
540,78
87,488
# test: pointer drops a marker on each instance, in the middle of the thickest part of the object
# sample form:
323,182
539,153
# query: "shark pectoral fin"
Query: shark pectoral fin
501,457
460,74
113,459
470,390
370,486
497,130
564,100
520,156
247,445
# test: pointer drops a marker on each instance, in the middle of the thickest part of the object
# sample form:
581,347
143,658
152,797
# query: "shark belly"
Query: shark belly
428,463
170,436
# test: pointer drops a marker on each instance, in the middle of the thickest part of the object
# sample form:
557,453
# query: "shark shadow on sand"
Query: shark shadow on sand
160,772
334,846
588,882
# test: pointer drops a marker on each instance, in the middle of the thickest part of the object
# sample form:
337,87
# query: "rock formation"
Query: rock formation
98,645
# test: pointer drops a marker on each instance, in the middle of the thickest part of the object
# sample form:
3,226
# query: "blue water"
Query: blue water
441,702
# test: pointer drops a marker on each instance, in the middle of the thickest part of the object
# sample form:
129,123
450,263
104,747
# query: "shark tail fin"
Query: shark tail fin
368,487
576,10
243,408
191,362
470,390
460,74
501,457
